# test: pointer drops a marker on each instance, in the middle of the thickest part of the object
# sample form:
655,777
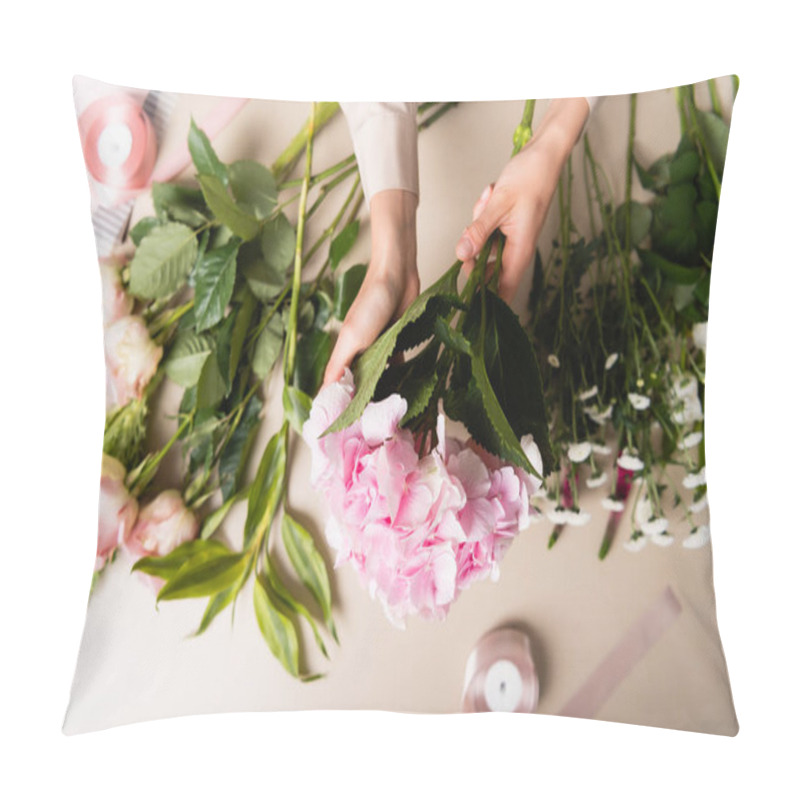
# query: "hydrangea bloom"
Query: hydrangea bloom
418,529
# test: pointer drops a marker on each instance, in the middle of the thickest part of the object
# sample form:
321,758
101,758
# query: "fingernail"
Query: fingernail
486,192
464,248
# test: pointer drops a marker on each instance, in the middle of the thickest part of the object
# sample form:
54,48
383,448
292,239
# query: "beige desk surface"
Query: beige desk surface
137,663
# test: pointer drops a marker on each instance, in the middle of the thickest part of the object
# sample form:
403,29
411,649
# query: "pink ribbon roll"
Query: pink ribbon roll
119,143
500,674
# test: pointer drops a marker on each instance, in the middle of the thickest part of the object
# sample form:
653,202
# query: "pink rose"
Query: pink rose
131,360
117,512
163,524
117,303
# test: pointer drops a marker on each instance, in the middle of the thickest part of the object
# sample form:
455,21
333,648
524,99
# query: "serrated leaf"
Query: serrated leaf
179,203
186,358
167,566
234,455
277,629
421,329
347,286
242,223
264,281
206,578
162,261
450,337
241,328
205,159
309,566
142,228
278,239
215,275
268,347
371,364
343,243
211,386
254,188
641,218
267,489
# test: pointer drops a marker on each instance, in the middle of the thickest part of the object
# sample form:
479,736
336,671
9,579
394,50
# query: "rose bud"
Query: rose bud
117,512
163,524
131,360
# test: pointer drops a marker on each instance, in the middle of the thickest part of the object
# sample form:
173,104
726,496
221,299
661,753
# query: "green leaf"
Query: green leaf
214,277
309,566
241,327
267,489
216,603
372,363
142,228
701,291
211,385
206,577
167,566
657,176
179,203
641,217
234,455
451,338
241,222
347,286
212,522
715,133
186,358
314,349
268,347
674,272
297,406
684,168
163,261
278,239
205,159
254,188
505,379
421,329
277,629
343,243
415,379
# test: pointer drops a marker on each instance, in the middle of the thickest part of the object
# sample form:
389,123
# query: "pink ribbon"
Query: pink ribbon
617,665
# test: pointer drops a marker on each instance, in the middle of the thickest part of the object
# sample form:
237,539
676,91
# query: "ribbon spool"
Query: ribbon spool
501,675
119,143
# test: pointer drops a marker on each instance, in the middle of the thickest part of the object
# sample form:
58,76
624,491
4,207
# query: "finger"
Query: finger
476,234
517,256
482,201
344,351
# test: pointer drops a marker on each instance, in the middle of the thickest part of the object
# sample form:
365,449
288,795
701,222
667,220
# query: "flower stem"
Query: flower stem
322,113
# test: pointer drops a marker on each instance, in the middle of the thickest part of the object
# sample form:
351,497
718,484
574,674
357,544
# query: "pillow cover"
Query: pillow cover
500,504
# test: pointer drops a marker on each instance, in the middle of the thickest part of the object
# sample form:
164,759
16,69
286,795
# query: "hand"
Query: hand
517,203
391,283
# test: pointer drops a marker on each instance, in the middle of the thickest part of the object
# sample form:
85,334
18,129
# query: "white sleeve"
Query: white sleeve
592,101
385,142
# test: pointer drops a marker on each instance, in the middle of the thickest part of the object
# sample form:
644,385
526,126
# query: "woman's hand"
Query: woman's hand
518,201
391,283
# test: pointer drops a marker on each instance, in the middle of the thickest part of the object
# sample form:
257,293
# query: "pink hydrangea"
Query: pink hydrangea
418,529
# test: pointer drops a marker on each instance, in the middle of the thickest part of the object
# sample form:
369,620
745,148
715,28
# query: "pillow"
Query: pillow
497,500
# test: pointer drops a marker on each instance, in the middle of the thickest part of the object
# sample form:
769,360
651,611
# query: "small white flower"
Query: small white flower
553,361
655,526
643,511
579,451
639,401
630,461
611,360
695,479
690,440
559,516
635,545
597,480
578,518
698,506
612,504
596,415
588,394
665,540
687,407
700,334
698,538
601,449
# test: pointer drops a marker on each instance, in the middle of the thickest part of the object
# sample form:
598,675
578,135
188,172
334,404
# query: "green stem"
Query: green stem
291,337
714,94
320,116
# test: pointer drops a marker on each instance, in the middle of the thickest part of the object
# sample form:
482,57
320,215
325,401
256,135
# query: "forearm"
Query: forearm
393,221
